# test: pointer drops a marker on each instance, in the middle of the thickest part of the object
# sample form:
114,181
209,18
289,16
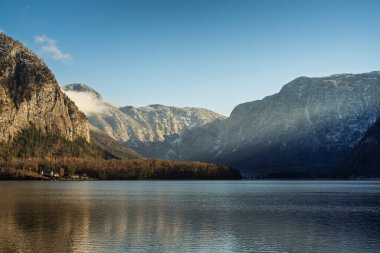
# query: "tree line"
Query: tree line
35,151
113,169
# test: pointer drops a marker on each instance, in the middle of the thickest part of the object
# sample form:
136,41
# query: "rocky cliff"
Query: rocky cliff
30,96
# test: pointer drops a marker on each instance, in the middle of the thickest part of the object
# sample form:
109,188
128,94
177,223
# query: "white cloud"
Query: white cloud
2,30
87,102
49,48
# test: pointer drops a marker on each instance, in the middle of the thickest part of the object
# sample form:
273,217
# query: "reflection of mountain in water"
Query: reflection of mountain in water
188,216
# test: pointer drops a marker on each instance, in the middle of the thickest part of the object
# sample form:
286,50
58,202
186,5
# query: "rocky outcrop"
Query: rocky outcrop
30,96
137,125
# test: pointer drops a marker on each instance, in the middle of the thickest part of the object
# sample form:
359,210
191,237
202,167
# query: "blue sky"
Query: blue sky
212,54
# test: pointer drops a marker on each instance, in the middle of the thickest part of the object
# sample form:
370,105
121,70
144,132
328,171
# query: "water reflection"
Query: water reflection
189,216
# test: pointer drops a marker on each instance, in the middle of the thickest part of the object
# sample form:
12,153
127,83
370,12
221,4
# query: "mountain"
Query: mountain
364,160
308,127
137,126
82,88
30,97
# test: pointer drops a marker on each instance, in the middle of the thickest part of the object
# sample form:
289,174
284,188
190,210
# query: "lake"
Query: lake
190,216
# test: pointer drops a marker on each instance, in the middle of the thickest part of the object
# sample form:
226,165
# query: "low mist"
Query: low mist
87,102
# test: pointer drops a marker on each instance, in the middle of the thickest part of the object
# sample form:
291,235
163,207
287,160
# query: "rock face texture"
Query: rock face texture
137,126
30,95
155,122
309,126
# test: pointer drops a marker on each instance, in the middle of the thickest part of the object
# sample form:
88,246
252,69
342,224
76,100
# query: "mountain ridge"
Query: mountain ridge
316,114
149,123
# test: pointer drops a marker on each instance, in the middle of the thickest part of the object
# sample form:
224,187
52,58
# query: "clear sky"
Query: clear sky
205,53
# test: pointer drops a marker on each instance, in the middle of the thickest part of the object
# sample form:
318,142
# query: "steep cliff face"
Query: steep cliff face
309,125
30,96
137,125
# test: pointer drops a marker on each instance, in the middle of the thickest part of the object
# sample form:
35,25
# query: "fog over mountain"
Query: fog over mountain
87,102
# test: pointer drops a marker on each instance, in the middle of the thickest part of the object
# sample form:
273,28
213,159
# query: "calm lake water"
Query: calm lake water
190,216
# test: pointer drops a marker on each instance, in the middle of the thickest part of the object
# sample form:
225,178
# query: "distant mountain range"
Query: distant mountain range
310,126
